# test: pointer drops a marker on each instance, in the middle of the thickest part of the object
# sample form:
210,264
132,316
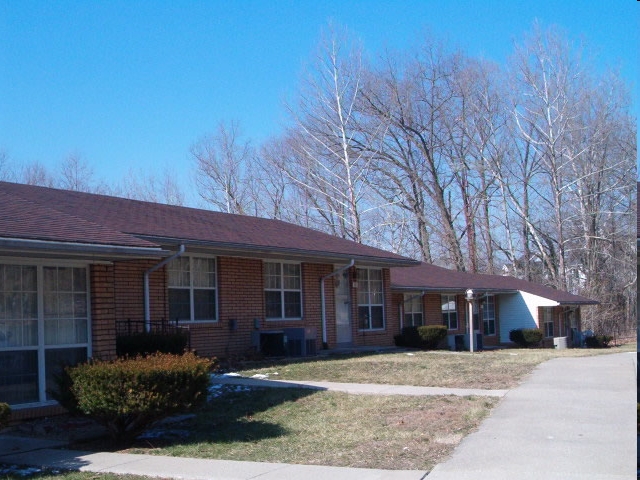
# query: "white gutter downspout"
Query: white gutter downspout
322,299
147,309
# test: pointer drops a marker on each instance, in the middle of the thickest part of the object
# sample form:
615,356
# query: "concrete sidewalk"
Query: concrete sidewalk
359,388
571,419
199,469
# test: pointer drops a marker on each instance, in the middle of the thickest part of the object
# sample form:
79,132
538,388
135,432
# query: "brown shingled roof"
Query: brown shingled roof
101,218
24,219
433,278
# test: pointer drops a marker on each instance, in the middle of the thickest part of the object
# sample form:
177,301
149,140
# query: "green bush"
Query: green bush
411,337
526,337
5,414
148,343
598,341
127,395
432,335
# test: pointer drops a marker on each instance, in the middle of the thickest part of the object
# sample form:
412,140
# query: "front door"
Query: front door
343,308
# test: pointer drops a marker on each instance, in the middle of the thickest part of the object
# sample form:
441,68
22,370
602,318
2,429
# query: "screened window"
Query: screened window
489,315
192,288
370,299
413,310
449,311
282,290
548,322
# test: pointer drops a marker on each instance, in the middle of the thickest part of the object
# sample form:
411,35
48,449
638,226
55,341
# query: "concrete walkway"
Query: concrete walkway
572,419
359,388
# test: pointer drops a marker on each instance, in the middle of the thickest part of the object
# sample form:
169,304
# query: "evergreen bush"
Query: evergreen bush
526,337
432,335
598,341
411,337
129,394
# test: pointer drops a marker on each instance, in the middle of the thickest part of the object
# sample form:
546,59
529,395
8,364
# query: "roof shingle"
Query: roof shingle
70,215
433,278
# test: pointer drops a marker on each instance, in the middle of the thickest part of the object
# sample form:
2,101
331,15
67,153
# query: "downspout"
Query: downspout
323,308
147,309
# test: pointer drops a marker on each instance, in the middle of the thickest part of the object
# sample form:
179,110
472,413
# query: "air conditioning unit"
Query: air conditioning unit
300,341
271,343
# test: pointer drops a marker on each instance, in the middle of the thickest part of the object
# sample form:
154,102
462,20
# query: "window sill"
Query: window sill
365,330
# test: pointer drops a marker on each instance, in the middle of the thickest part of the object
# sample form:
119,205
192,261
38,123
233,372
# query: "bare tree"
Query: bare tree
151,188
36,174
223,169
6,172
332,168
76,174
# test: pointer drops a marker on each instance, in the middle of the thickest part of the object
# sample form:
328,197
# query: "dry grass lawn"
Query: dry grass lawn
491,369
329,428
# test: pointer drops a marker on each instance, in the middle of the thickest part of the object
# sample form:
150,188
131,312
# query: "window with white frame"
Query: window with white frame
413,316
488,306
192,288
282,291
547,315
370,299
44,324
449,311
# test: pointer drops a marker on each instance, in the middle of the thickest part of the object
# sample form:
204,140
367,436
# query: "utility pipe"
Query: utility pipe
323,308
147,309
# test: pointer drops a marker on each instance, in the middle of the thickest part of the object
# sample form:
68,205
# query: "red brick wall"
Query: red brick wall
129,290
241,300
432,311
103,312
117,293
392,323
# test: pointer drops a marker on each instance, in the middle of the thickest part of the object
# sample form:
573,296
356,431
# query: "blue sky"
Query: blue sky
133,84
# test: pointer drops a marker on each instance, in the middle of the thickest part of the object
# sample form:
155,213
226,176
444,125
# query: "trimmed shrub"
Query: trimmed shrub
5,414
148,343
526,337
410,338
432,335
127,395
598,341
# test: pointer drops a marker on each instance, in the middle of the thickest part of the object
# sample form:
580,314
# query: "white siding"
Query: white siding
520,310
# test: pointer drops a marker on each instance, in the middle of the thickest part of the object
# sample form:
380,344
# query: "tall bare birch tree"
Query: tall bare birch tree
333,175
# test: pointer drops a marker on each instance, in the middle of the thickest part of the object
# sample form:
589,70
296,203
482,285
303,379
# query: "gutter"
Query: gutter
323,307
147,309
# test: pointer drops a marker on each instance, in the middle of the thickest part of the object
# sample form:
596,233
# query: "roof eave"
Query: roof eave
49,248
431,289
265,251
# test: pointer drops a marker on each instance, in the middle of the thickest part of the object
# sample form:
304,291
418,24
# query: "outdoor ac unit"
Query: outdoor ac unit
300,341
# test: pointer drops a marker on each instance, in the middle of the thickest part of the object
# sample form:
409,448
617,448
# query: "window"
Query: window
413,310
489,315
192,288
547,315
282,290
449,311
44,324
370,299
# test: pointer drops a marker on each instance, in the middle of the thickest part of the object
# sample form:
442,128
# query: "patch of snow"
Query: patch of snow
411,354
260,376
